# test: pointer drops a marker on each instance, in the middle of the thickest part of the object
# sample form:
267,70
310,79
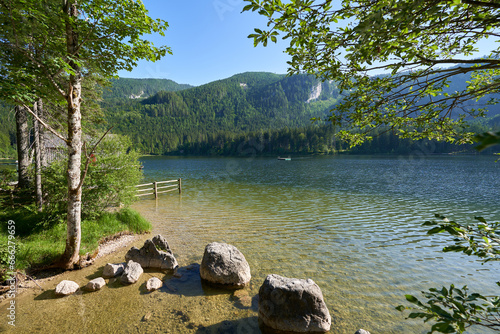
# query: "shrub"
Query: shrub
112,174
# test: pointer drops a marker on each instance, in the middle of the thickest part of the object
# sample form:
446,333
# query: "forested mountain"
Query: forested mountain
257,113
125,88
173,122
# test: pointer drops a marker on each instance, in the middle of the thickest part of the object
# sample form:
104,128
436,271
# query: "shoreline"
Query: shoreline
110,246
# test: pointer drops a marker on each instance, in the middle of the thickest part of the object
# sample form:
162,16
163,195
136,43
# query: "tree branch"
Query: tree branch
482,3
458,61
87,156
48,127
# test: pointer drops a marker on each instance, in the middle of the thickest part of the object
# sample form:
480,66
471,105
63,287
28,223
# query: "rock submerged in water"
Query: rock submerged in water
362,331
293,305
154,283
132,273
66,288
224,265
95,284
154,254
112,270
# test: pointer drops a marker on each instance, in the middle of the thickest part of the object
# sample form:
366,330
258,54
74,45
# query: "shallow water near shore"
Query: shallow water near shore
352,224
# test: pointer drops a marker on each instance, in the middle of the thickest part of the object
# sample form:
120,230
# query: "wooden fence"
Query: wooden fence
155,187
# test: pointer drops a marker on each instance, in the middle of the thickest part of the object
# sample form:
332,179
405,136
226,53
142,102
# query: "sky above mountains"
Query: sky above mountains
209,42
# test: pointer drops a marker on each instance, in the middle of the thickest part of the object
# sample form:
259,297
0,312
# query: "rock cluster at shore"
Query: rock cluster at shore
284,304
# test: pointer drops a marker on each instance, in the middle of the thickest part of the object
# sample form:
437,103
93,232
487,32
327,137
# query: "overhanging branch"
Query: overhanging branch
48,127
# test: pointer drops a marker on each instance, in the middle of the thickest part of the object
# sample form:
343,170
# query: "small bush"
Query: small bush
110,182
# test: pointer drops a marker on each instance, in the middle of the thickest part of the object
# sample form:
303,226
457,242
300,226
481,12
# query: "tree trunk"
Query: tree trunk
38,156
23,145
71,255
42,135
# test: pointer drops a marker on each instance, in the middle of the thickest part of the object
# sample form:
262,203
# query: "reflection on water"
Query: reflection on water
352,224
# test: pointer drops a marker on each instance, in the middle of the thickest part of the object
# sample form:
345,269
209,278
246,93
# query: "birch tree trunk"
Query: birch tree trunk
38,155
71,254
23,144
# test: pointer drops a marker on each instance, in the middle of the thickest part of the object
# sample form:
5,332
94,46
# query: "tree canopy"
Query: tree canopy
33,47
392,59
50,48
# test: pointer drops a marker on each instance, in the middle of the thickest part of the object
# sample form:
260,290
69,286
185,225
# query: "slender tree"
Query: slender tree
23,145
38,146
71,42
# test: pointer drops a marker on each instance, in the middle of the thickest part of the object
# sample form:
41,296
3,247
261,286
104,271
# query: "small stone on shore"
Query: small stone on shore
112,270
154,283
66,288
147,316
131,273
95,284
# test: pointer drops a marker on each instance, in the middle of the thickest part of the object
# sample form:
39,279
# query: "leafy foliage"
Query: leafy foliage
112,175
455,309
481,240
409,42
34,56
487,139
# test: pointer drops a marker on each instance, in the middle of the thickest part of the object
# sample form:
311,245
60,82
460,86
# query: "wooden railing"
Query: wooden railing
154,187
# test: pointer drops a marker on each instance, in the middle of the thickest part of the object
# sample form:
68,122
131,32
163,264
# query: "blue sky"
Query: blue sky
209,42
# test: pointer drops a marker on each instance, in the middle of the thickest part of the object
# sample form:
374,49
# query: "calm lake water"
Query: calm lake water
350,223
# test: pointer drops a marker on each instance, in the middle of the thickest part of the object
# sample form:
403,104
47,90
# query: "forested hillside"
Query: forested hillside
175,122
125,88
257,113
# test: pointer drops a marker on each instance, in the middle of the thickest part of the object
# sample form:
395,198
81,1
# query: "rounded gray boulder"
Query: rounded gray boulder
154,283
293,305
132,273
224,265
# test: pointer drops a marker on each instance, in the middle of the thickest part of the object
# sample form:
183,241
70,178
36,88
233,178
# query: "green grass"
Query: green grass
40,238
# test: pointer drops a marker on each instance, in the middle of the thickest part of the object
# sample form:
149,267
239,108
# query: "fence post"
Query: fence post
156,190
180,187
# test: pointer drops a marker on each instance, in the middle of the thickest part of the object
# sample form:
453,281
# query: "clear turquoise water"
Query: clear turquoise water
350,223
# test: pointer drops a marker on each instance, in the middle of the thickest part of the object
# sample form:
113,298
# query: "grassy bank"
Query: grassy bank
40,239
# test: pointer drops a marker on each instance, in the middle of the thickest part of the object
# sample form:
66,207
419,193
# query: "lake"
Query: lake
353,224
350,223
